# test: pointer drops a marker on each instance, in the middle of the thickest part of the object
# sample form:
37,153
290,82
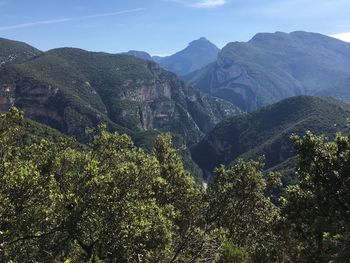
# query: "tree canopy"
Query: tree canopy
110,201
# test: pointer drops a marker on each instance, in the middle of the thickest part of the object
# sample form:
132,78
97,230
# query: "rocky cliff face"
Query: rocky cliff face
71,89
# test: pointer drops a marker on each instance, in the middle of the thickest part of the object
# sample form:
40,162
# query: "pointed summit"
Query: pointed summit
200,40
204,43
196,55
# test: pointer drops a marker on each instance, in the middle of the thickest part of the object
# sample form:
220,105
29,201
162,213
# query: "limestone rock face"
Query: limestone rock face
71,89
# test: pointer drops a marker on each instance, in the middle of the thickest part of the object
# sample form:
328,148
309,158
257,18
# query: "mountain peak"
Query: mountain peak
198,54
201,41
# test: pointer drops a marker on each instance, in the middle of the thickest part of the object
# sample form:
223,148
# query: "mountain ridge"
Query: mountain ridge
70,89
12,51
274,66
268,130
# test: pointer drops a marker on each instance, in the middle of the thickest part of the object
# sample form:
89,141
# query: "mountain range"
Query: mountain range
246,100
71,89
271,67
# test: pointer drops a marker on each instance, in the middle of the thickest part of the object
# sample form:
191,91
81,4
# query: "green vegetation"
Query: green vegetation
70,89
110,201
15,52
267,131
124,191
317,209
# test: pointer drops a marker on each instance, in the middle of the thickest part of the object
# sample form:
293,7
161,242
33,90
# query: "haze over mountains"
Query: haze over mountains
271,67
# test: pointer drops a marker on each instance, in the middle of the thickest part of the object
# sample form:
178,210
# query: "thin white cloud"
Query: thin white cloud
209,3
342,36
69,19
201,3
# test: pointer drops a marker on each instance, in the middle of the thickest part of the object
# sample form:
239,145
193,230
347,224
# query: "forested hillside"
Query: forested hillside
15,51
267,132
110,201
71,89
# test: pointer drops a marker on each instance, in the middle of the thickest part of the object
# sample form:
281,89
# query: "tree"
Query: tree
62,200
318,208
238,203
179,190
107,201
233,254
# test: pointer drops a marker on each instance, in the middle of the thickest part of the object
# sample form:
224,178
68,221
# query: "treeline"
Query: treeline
110,201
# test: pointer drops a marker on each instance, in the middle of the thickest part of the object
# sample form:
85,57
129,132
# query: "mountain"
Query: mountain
196,55
271,67
71,89
14,52
268,130
140,54
340,90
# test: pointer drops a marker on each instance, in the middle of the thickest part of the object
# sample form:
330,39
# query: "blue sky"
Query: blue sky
163,26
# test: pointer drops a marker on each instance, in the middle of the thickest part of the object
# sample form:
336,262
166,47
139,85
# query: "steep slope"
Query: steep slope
267,131
271,67
14,51
196,55
71,89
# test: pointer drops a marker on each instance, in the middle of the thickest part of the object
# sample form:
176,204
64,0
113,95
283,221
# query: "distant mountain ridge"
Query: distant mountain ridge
196,55
274,66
